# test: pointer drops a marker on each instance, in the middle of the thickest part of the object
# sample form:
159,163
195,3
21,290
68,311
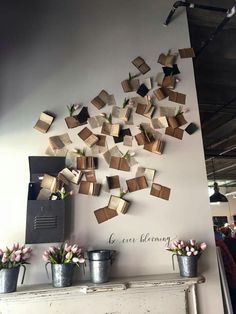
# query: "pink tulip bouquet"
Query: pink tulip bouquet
64,254
15,256
187,248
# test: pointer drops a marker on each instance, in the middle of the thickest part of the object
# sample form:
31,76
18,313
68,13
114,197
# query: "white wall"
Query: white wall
67,51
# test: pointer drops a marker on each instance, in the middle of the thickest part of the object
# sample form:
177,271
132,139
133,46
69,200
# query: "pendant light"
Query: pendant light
216,196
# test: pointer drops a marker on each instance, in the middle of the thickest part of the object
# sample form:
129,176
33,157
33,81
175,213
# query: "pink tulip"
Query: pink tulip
187,248
52,249
17,258
1,252
16,246
12,257
180,246
203,246
182,243
176,242
189,253
26,250
195,253
192,242
67,247
74,248
81,260
75,259
26,256
45,258
18,252
192,249
4,259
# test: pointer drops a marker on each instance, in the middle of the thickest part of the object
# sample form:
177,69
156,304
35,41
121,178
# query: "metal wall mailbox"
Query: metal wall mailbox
45,221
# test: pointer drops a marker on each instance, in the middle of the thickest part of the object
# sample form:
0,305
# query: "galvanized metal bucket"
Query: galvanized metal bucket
188,265
9,278
62,275
100,263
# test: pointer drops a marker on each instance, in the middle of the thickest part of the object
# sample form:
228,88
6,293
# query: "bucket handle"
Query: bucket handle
23,276
113,255
46,267
173,261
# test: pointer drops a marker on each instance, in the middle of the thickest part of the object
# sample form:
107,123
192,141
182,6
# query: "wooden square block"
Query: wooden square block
104,214
177,132
113,182
119,163
160,93
169,82
89,188
101,140
177,97
118,204
140,139
90,176
186,53
71,122
167,60
44,122
50,183
160,191
88,137
136,184
98,103
126,85
141,65
87,163
156,147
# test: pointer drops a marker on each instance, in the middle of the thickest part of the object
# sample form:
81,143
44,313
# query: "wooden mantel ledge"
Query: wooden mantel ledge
114,285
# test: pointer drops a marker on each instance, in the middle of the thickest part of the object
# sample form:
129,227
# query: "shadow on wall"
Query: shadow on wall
32,33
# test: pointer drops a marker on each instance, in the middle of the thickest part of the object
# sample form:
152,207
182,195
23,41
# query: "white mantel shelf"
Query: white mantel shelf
114,285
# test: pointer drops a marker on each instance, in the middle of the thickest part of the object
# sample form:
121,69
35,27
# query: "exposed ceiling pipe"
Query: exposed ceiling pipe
221,169
208,119
229,14
222,141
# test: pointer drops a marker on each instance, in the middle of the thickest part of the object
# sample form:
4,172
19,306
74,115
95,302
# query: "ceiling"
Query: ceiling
215,73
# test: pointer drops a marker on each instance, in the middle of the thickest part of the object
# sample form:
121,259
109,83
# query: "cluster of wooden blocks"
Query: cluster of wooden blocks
86,165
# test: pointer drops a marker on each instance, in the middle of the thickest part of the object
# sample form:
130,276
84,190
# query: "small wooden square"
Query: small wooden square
90,176
160,191
144,68
173,123
136,184
177,132
71,122
126,85
186,53
118,204
104,214
169,82
44,122
98,103
140,139
160,93
113,182
177,97
119,163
